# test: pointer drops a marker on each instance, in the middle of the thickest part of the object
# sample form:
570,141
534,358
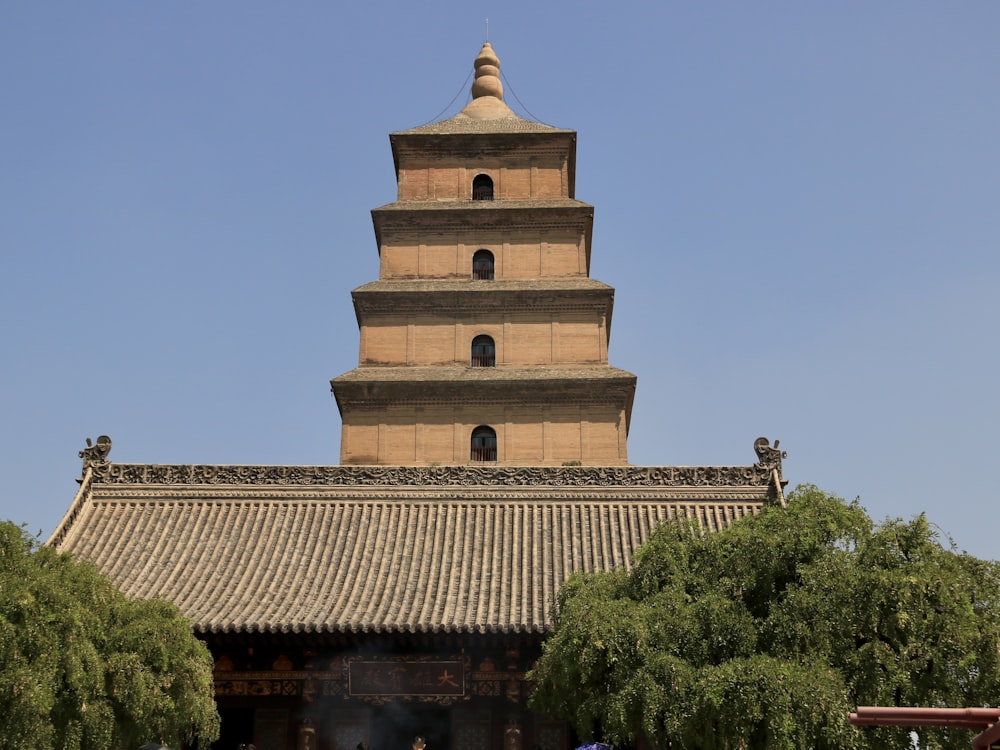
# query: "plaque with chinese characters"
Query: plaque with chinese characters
406,678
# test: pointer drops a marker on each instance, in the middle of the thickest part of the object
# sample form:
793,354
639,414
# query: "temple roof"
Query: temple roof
382,549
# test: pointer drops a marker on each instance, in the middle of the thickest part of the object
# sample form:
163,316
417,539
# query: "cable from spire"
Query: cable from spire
461,90
506,81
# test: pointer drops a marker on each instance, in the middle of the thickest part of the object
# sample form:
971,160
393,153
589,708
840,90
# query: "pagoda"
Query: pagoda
485,340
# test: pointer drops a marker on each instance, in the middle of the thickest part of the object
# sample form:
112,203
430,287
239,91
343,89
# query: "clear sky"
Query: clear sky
797,203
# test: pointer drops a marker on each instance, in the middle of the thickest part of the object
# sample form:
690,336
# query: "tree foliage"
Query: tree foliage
767,634
83,666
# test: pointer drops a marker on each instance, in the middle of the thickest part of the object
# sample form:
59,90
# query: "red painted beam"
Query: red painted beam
964,718
918,716
955,724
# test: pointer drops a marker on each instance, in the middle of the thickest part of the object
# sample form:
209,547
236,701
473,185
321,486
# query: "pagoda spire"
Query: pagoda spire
487,91
487,82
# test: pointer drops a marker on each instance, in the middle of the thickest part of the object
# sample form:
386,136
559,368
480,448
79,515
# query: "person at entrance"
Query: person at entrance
419,743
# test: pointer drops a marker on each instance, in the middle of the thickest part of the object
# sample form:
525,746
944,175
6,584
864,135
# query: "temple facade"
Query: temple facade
484,459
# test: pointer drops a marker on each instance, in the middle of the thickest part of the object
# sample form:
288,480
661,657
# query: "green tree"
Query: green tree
83,666
767,634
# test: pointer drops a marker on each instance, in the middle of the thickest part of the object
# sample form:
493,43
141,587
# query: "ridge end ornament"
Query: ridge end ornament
96,454
768,456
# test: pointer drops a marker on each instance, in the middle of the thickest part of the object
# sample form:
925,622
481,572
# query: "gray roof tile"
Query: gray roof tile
243,556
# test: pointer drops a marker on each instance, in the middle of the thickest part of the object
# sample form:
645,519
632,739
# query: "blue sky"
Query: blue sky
797,204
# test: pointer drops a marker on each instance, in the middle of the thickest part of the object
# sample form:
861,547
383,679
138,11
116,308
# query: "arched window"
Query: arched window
484,444
482,188
484,352
482,265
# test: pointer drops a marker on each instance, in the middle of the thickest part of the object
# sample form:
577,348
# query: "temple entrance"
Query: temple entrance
237,727
394,725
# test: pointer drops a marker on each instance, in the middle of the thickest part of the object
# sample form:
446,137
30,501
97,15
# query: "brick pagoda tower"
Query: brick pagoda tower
484,339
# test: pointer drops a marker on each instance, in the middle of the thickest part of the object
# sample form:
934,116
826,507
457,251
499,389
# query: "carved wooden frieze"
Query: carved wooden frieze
424,679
